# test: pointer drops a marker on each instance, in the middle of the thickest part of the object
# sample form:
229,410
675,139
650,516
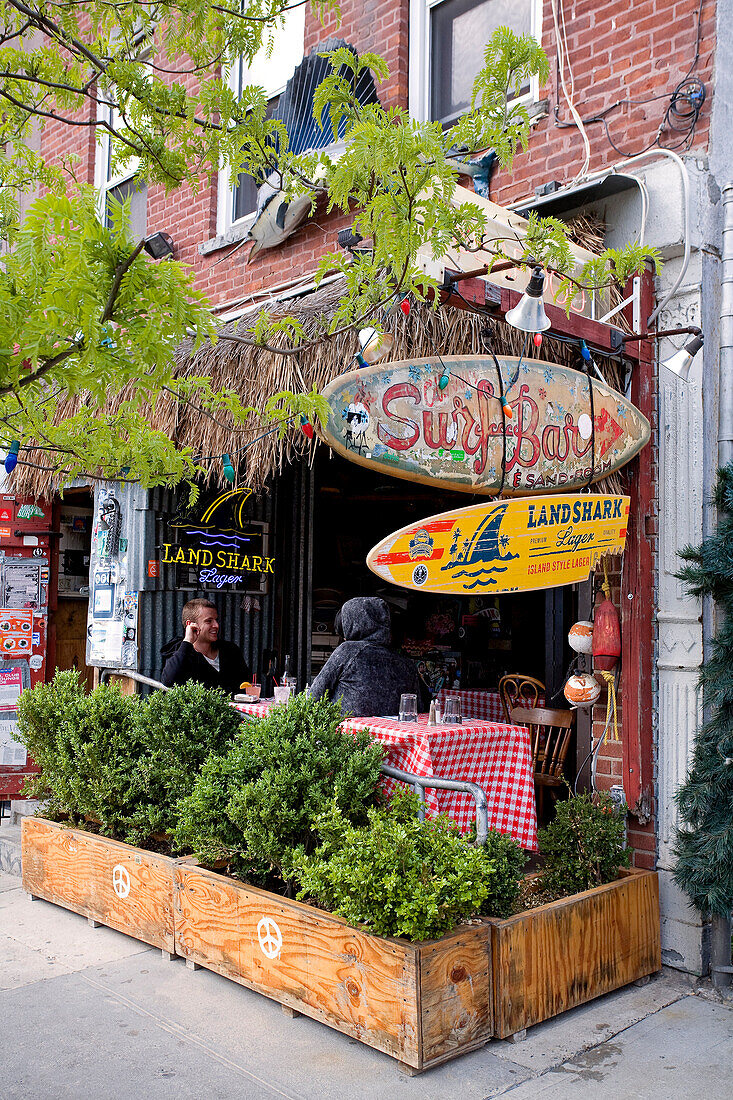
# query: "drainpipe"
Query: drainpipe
720,945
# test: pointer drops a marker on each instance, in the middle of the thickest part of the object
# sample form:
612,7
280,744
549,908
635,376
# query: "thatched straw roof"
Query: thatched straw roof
256,374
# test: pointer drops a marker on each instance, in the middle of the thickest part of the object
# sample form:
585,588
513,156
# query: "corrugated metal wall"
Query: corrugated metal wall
283,621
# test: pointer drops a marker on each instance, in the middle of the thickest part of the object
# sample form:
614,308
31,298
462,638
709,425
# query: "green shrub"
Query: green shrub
256,803
86,747
176,731
400,876
584,846
120,759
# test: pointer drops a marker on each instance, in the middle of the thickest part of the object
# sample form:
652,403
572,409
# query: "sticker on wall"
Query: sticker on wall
36,661
120,880
15,633
508,546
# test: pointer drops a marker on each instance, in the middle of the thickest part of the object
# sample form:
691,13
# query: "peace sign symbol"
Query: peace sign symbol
120,880
270,938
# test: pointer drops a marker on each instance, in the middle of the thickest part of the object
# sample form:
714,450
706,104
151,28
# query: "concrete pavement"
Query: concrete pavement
90,1014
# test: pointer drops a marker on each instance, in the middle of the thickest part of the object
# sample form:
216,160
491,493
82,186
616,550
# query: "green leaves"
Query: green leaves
400,876
584,846
259,801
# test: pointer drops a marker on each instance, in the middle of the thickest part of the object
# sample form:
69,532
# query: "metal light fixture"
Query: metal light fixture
159,246
529,313
680,361
375,345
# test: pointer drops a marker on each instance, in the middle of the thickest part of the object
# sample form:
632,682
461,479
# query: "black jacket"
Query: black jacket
362,672
184,663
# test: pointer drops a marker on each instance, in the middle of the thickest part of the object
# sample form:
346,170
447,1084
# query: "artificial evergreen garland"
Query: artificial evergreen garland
704,844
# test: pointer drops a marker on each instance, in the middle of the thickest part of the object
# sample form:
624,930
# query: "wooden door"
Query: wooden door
70,621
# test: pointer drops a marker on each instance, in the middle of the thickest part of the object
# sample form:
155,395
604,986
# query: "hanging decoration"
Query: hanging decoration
580,636
606,630
229,471
444,419
582,689
306,427
504,546
11,458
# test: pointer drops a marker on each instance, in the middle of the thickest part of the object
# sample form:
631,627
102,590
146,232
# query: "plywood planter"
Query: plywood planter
115,884
422,1003
552,958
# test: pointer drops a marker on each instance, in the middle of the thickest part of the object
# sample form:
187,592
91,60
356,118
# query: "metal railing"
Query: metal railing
419,783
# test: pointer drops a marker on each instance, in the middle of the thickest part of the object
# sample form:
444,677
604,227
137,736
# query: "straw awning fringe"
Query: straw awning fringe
256,374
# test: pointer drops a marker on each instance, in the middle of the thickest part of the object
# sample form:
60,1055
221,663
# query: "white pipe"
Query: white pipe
618,169
725,396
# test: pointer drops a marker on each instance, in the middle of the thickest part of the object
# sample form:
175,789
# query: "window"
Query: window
238,202
117,182
447,41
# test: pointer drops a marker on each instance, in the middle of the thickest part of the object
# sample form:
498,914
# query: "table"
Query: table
485,705
496,756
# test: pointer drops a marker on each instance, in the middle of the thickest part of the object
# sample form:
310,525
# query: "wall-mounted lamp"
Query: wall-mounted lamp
529,314
159,246
681,361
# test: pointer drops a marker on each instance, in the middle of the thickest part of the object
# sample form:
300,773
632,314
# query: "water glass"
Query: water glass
282,693
452,711
408,708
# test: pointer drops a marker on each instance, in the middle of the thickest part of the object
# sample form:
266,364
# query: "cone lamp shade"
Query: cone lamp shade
681,361
529,314
375,346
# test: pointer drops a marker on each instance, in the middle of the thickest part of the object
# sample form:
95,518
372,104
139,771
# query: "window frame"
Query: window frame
104,181
236,79
421,55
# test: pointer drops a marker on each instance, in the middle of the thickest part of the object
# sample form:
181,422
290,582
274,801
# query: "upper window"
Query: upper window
120,183
447,42
238,199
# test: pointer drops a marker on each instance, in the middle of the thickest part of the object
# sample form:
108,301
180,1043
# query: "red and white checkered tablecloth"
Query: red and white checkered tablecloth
494,755
485,705
255,710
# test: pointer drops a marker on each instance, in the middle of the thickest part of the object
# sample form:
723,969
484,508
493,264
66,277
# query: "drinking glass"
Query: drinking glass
452,711
408,708
282,693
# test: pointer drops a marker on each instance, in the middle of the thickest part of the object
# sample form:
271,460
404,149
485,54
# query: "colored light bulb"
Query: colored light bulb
537,339
229,472
584,351
508,412
443,380
306,427
11,459
405,306
360,360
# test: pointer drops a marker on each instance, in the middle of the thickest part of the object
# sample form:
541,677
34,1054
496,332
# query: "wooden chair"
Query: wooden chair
550,732
517,690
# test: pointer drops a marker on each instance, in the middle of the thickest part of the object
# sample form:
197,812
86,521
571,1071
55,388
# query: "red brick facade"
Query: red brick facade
618,52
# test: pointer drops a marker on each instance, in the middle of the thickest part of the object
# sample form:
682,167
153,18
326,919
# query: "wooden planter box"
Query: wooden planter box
421,1003
560,955
111,883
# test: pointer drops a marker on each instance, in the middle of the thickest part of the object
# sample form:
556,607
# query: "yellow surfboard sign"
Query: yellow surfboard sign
514,545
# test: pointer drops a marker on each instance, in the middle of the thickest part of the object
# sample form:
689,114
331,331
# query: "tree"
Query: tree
704,845
84,311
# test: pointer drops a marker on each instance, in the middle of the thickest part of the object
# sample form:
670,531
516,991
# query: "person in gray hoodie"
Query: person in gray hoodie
363,673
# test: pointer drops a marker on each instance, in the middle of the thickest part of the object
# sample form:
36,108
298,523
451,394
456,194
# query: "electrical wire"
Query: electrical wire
563,60
681,114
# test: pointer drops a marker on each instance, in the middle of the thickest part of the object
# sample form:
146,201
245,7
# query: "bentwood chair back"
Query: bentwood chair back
550,732
517,690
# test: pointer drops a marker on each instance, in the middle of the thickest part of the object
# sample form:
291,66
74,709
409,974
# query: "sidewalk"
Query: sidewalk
90,1014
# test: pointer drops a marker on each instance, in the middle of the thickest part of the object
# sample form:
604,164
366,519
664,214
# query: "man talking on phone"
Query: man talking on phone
200,655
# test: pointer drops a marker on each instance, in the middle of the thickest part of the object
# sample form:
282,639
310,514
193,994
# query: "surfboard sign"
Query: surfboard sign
507,546
395,418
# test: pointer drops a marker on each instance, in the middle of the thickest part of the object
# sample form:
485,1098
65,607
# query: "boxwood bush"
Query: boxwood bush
123,760
399,876
254,804
584,846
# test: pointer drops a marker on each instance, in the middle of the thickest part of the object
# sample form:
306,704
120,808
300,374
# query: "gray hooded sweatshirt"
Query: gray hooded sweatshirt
362,672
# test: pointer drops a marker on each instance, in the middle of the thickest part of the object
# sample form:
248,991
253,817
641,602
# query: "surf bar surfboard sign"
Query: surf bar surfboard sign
396,419
507,546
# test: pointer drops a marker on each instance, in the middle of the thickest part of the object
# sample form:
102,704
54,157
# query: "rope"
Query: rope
611,709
